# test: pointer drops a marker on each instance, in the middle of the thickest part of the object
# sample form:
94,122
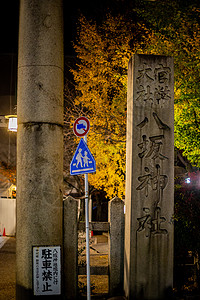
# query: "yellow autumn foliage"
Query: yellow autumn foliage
101,83
101,80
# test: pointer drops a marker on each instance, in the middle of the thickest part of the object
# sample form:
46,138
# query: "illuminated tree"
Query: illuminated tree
8,172
101,82
176,32
101,79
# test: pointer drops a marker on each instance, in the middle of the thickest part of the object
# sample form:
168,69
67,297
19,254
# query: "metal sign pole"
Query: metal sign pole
87,232
83,165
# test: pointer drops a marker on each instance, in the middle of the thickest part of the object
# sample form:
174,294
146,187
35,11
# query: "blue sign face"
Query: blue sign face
82,162
81,126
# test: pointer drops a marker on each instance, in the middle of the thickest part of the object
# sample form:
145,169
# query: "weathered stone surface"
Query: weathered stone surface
42,87
41,33
40,62
39,193
116,246
96,226
70,247
148,272
40,136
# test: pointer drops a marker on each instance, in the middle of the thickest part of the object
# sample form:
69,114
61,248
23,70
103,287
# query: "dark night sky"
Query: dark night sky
95,9
9,16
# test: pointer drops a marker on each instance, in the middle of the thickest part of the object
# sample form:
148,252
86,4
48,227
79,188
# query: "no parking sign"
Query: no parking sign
81,126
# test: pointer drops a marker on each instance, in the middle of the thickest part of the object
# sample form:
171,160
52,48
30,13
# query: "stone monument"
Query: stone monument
148,257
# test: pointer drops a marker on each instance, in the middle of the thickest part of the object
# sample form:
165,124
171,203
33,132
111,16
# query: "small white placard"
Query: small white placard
47,270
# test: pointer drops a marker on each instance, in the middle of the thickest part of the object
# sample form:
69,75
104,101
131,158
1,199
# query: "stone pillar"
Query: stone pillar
40,134
148,257
116,246
70,247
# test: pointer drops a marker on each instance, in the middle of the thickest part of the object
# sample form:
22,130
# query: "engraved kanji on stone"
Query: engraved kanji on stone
143,123
155,151
157,221
145,73
159,123
151,148
145,222
162,94
151,225
159,181
162,74
145,94
156,181
145,181
143,146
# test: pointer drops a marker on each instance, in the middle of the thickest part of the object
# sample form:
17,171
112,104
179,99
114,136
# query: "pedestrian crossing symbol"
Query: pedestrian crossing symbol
82,162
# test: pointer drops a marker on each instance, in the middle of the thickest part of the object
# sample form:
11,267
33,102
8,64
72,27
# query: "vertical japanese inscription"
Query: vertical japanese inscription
148,251
152,92
152,86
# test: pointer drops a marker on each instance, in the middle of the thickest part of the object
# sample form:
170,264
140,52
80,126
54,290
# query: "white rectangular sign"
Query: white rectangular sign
47,270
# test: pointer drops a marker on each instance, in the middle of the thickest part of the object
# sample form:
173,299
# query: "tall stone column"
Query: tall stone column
40,134
148,261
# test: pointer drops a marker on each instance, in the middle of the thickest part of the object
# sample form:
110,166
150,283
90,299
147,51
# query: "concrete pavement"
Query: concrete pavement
7,268
2,240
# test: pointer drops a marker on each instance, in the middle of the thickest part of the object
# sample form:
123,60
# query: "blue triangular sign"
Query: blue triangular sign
82,162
